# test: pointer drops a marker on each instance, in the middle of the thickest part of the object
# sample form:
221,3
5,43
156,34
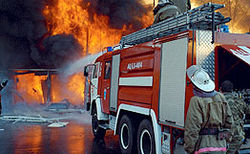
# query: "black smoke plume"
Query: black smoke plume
120,12
25,41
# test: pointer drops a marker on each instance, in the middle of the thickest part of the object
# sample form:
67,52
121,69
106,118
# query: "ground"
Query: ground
75,138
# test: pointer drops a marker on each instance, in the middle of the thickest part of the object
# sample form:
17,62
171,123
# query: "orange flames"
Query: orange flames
71,89
34,89
69,17
29,88
72,17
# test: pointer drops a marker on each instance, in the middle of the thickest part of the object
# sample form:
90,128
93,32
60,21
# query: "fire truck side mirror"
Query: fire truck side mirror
86,71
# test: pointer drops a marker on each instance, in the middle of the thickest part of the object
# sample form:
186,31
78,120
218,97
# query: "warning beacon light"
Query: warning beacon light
109,49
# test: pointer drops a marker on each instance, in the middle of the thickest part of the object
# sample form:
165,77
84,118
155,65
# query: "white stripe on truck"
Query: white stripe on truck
136,81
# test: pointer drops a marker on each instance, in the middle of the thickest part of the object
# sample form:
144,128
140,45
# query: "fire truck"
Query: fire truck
140,89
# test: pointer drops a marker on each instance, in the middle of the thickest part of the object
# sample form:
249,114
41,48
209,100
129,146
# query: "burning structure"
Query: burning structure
38,39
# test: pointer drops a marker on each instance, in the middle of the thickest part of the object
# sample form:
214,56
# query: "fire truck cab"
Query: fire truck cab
142,92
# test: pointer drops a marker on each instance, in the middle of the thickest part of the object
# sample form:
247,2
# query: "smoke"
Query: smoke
25,41
120,12
78,65
60,49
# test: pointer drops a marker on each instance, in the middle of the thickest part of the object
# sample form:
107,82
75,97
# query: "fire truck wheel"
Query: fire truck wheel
126,135
145,138
98,132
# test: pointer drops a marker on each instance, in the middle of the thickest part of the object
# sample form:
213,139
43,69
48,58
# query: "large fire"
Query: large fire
32,89
72,17
70,89
95,33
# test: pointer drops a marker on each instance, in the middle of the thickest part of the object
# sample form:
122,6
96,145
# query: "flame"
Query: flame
29,88
147,19
95,33
33,89
72,17
70,89
194,4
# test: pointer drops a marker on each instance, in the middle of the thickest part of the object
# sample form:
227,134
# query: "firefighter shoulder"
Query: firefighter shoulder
209,117
169,8
164,10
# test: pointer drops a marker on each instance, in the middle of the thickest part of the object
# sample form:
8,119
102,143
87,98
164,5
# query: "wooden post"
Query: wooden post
49,87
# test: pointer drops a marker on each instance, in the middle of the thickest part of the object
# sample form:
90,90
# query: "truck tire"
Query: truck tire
98,132
145,138
126,135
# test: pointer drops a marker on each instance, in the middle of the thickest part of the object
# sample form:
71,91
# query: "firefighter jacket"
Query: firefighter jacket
165,12
205,113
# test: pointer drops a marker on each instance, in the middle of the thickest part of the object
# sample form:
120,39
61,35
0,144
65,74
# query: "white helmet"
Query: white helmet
200,78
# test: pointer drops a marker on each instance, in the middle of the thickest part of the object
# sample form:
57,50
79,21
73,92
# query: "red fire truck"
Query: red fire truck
140,89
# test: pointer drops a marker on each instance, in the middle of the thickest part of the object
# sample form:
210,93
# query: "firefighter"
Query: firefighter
209,117
167,8
2,85
239,108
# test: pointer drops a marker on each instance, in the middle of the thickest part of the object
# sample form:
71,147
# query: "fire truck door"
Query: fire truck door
105,90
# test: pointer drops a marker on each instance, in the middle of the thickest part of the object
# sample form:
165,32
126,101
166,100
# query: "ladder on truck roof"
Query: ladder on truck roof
203,17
